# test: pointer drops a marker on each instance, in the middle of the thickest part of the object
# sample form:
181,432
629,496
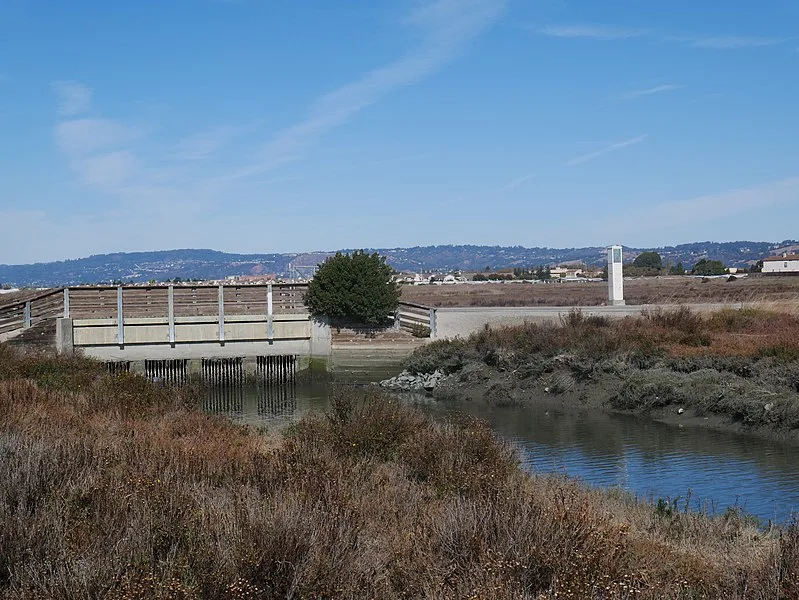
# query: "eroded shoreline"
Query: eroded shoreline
732,370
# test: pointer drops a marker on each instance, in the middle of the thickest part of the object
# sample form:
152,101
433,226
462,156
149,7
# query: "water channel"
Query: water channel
652,460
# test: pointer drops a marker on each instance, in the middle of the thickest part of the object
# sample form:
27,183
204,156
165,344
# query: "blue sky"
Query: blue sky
276,126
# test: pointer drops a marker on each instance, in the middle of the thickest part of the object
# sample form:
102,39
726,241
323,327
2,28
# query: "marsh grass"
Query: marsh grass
769,292
113,487
742,364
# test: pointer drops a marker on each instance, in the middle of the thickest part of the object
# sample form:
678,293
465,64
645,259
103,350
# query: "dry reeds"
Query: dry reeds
112,487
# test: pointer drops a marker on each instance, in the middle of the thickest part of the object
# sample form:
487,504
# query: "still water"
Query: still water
652,460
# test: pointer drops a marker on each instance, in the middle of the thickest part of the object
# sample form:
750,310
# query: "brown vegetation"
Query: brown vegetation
742,365
113,487
648,290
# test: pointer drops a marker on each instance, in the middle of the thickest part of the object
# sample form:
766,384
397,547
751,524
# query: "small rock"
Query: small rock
680,411
768,406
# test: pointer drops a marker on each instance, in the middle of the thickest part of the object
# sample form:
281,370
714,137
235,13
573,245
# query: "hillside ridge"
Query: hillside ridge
187,263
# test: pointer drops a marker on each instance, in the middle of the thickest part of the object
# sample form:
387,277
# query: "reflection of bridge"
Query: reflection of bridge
270,402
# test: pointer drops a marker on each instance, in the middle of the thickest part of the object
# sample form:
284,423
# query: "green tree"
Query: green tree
677,270
709,267
357,286
648,260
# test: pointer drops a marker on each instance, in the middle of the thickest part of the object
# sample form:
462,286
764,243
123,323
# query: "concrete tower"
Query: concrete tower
615,277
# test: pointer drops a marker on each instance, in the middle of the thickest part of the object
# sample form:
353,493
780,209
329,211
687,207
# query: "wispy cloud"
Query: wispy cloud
98,150
74,97
606,150
593,31
79,137
447,27
614,32
205,143
706,208
515,182
728,42
658,89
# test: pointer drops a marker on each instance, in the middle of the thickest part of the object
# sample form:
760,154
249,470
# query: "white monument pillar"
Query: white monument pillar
615,277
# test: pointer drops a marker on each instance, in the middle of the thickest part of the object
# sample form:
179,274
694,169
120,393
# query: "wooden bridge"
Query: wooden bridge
172,331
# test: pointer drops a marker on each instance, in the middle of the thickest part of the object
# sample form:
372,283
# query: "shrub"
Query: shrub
447,355
709,267
419,330
648,260
373,500
357,286
681,318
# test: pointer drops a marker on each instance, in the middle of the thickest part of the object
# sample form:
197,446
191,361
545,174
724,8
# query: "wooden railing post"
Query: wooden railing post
432,323
26,323
66,303
270,330
170,298
120,319
221,313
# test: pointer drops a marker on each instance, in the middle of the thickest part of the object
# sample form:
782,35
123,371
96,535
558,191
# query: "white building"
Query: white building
787,263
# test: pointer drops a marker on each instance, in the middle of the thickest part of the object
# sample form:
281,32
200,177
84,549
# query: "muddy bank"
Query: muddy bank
680,368
482,384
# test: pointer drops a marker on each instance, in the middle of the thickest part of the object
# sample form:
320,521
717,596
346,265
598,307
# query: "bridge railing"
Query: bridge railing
413,316
24,314
184,301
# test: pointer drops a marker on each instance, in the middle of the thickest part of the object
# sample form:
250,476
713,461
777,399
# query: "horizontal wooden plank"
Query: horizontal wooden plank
413,305
425,313
11,320
11,315
414,316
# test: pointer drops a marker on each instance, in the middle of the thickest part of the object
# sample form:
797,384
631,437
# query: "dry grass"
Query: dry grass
748,332
117,489
650,290
742,364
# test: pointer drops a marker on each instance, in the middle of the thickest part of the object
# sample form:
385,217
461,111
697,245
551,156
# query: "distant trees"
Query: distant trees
357,287
707,267
648,260
541,273
677,269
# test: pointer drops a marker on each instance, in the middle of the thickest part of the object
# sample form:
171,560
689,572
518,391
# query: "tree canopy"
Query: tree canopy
648,260
678,269
709,267
357,287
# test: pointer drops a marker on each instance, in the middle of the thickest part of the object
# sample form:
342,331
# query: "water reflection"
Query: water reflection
270,406
652,460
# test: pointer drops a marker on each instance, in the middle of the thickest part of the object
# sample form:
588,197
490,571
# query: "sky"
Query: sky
278,126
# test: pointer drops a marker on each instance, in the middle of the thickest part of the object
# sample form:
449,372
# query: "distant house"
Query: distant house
565,272
787,263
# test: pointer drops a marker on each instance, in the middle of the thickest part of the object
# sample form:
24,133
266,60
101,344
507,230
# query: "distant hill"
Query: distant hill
211,264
